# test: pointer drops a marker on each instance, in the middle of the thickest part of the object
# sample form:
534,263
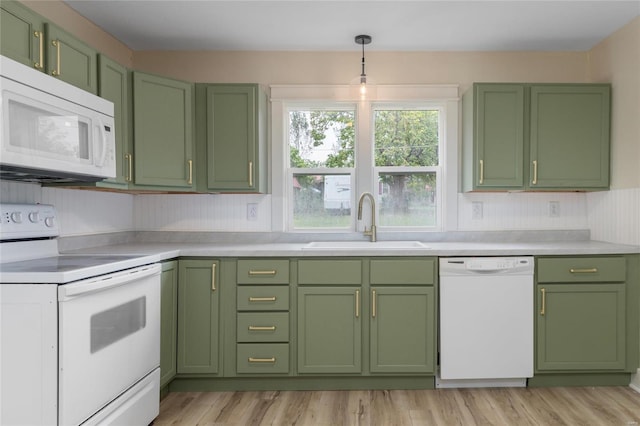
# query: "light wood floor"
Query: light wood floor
489,406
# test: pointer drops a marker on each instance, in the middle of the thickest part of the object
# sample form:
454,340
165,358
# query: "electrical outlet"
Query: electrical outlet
476,210
554,208
252,211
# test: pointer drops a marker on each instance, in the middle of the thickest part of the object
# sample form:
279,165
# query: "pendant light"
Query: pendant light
362,40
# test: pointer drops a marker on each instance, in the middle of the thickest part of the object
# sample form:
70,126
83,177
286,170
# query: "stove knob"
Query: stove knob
34,217
16,217
48,221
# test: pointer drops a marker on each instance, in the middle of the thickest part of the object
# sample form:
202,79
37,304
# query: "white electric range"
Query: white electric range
80,340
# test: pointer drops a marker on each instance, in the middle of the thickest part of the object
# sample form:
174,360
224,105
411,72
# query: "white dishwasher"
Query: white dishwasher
486,321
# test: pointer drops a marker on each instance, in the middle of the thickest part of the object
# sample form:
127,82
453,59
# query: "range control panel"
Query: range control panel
25,221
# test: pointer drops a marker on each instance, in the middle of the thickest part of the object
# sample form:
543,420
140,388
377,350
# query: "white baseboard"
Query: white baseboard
635,381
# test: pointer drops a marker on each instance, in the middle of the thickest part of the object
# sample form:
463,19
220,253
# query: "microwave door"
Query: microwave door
50,133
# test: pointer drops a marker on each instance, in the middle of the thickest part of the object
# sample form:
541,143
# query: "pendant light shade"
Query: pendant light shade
362,40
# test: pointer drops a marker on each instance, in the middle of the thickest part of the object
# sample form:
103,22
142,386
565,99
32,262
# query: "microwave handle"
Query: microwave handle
103,138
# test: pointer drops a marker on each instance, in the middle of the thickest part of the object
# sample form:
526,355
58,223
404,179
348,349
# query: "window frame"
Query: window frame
443,96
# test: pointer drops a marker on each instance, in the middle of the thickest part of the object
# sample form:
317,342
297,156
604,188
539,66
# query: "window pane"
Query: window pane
321,201
406,138
407,199
320,138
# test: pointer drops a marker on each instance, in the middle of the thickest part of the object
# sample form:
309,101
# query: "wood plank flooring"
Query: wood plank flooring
487,406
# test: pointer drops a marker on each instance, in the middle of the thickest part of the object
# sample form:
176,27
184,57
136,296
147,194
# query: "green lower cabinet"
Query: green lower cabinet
329,330
581,327
198,317
402,330
168,321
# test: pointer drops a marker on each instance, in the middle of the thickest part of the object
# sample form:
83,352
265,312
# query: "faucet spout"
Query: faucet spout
371,232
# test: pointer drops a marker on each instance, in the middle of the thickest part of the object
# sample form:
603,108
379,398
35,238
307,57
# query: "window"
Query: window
406,157
403,150
321,162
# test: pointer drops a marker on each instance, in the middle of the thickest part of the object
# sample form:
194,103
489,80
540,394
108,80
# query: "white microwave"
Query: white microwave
52,131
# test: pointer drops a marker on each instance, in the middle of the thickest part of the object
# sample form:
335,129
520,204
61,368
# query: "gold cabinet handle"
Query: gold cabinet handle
129,158
357,303
40,64
481,181
262,299
374,302
584,271
57,71
253,273
544,301
262,328
250,173
190,180
271,360
535,173
213,277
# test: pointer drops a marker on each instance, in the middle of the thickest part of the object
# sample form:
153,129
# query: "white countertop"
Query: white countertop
166,251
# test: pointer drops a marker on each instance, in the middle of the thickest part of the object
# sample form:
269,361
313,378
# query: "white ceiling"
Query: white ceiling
331,25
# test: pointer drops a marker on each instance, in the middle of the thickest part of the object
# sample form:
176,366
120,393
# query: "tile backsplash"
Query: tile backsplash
611,216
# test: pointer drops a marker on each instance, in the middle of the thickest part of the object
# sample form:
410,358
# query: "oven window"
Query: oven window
109,326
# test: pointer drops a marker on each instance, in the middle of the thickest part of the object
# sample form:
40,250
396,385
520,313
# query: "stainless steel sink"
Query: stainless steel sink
358,245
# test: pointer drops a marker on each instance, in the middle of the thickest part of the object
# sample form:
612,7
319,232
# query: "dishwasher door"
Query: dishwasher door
486,321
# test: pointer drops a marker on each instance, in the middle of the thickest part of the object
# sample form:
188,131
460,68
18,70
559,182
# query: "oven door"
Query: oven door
109,339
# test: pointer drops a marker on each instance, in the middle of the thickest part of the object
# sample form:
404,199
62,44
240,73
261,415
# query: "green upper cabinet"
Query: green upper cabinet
168,321
198,316
22,36
113,85
71,60
30,39
498,133
232,132
570,136
536,137
163,133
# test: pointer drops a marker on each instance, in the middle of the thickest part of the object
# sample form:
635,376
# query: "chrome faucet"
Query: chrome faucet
372,232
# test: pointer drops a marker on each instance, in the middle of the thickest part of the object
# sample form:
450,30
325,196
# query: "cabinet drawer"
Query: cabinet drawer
323,272
403,271
263,358
263,327
263,298
582,269
263,271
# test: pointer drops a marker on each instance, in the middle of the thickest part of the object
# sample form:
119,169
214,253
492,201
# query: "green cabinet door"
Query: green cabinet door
235,138
163,132
402,330
570,136
71,60
499,135
22,36
198,316
168,321
581,327
329,330
113,85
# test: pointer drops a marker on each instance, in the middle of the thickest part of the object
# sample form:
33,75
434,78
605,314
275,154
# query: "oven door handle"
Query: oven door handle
71,291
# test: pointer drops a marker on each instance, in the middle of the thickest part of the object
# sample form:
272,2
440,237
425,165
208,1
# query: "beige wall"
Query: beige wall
617,60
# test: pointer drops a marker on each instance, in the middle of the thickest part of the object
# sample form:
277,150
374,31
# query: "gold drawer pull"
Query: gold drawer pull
252,359
544,301
253,272
262,328
213,277
584,271
56,72
481,172
40,64
535,173
262,299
